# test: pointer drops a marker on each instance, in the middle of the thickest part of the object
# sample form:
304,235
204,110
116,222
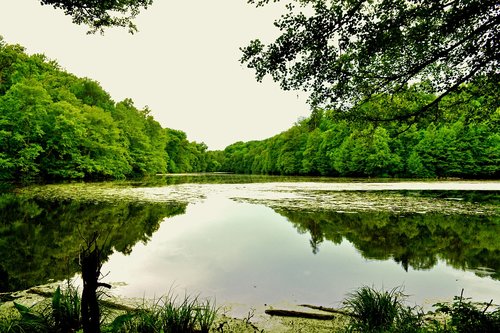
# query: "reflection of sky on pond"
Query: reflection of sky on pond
248,254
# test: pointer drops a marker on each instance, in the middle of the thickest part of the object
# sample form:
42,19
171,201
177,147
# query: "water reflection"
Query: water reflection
250,253
418,241
40,238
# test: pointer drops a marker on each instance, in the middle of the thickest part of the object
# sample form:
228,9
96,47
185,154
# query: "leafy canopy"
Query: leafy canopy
343,52
100,14
56,125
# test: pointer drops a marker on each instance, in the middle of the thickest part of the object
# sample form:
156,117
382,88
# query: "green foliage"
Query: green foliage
185,156
206,313
102,14
464,317
30,320
460,144
54,125
346,52
66,309
179,317
380,311
48,234
62,315
169,316
377,311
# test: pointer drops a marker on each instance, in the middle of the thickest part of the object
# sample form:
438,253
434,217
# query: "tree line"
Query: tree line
463,140
56,125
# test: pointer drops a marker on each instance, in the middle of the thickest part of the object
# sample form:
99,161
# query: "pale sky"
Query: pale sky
183,64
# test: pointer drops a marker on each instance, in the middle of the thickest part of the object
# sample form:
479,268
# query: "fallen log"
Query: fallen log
325,309
299,314
6,297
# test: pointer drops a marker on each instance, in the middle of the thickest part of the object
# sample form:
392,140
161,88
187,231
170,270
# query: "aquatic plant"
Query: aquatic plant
61,315
167,315
66,309
144,319
380,311
206,313
179,317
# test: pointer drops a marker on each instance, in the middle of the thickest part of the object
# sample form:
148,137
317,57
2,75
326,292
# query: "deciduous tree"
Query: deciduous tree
344,52
101,14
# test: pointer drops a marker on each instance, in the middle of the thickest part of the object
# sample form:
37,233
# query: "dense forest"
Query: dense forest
461,138
55,125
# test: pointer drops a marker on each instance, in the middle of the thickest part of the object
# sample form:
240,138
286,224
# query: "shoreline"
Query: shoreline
254,321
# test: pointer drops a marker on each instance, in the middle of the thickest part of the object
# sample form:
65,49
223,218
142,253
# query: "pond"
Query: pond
256,241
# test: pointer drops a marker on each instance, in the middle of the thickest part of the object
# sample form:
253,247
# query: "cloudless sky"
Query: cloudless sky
183,64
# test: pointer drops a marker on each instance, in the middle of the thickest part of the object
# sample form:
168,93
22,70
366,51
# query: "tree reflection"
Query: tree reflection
412,240
40,239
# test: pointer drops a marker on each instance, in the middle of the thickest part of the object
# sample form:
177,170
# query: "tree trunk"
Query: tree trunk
91,269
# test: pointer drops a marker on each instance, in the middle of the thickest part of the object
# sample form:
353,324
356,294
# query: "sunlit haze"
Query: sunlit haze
183,64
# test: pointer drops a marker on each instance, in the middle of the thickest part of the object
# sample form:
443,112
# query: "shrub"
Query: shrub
381,311
466,317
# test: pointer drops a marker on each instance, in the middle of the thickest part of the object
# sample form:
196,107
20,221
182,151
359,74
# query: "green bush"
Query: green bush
466,317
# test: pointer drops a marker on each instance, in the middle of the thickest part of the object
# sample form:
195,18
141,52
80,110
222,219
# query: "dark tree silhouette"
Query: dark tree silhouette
91,259
100,14
345,52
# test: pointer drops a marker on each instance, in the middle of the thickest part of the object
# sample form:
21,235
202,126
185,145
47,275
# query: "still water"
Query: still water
255,241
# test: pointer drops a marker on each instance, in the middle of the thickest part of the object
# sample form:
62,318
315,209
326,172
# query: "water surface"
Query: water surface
253,242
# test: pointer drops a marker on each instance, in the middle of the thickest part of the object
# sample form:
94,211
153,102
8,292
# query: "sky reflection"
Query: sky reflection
248,254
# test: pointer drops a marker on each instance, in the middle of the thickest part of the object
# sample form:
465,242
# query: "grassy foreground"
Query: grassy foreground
365,310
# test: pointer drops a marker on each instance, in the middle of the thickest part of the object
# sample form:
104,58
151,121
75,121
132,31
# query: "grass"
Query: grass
380,311
66,309
206,314
61,315
179,317
370,311
168,315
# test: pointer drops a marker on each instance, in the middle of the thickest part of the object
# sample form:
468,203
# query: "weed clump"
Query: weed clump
168,315
63,315
465,316
381,311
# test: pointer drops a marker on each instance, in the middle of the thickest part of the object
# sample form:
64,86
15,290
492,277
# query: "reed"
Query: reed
374,311
168,315
206,313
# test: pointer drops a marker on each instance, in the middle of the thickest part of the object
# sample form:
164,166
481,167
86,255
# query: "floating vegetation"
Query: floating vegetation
471,198
399,202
